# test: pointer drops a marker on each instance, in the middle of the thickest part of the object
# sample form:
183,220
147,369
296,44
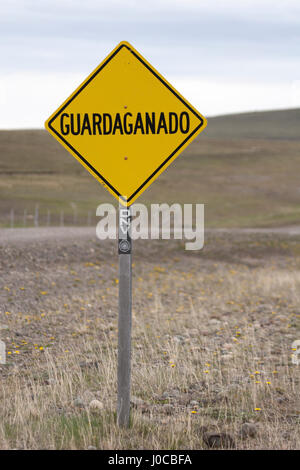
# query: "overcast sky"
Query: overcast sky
224,56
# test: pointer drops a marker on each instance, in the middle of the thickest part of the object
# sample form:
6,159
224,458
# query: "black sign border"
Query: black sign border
81,156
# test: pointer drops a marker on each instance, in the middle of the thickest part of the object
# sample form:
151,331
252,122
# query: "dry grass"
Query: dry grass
214,328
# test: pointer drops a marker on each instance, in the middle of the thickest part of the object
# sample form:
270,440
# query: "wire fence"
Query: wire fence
46,218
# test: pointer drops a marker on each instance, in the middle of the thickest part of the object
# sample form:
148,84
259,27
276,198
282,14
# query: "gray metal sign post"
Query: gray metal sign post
124,321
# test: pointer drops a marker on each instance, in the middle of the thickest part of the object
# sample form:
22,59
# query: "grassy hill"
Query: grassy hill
284,124
244,167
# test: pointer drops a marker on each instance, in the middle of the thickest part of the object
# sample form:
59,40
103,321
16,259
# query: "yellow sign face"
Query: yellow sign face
125,123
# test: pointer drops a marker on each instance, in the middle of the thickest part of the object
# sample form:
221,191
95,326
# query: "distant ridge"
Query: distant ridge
36,150
283,124
278,124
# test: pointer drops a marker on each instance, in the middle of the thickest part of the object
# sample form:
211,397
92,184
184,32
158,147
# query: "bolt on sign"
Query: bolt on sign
125,123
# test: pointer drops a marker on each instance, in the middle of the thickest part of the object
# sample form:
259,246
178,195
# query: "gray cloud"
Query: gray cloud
218,41
193,46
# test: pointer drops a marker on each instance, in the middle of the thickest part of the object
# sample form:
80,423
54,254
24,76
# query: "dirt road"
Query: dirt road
40,234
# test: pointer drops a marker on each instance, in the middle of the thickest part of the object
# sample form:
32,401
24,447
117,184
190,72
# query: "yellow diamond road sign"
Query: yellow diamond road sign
125,123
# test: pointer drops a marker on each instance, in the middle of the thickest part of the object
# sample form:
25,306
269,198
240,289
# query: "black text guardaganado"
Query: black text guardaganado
124,124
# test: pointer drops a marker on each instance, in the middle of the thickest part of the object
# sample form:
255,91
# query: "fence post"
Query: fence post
48,217
12,218
36,216
89,218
